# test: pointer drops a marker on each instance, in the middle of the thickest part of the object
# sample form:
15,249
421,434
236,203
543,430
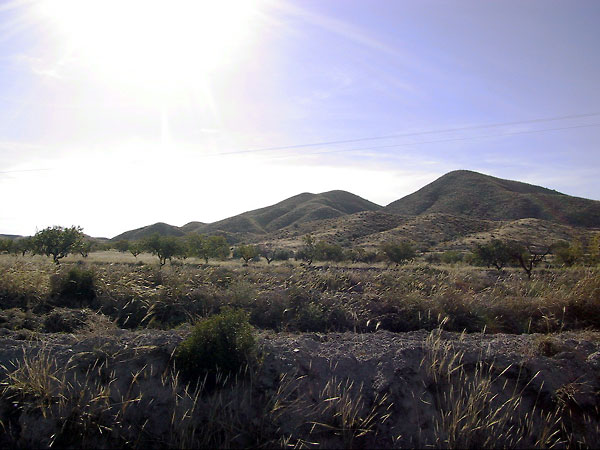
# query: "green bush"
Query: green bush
74,288
568,254
311,317
223,343
328,252
398,252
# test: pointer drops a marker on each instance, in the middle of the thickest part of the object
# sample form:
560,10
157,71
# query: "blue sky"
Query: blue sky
145,112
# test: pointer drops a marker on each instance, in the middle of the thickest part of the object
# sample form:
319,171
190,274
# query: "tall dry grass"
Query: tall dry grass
481,406
286,297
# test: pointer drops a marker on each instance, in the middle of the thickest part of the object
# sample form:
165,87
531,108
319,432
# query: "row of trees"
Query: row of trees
168,247
58,242
496,253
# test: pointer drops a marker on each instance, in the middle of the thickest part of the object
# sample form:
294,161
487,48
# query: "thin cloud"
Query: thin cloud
342,29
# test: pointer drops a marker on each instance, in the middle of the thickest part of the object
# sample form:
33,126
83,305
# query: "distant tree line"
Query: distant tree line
58,242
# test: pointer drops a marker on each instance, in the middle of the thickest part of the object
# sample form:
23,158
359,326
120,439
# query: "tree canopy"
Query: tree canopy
165,247
57,241
207,247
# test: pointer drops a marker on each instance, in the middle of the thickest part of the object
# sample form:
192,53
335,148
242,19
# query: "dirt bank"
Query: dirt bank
324,390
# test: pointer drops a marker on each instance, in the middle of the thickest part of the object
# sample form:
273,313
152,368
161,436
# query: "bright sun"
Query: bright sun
151,43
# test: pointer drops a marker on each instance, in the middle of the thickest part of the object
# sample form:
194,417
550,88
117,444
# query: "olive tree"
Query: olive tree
207,247
135,248
247,252
165,247
122,245
85,247
529,256
495,253
568,254
6,245
325,251
57,241
267,252
308,251
23,245
594,250
499,253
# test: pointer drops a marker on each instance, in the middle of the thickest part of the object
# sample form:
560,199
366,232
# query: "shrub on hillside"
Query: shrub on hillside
433,258
568,254
398,252
282,254
223,343
328,252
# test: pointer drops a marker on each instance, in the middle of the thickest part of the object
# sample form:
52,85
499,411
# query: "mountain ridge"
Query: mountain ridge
300,208
460,193
473,194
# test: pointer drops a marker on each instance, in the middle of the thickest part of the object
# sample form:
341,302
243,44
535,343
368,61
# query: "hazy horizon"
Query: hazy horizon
198,111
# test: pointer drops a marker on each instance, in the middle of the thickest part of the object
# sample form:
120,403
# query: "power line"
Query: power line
421,133
417,133
24,170
408,144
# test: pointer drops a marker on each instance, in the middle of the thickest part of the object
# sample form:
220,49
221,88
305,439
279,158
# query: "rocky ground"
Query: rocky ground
383,389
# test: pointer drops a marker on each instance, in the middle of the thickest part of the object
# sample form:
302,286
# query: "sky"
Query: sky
116,114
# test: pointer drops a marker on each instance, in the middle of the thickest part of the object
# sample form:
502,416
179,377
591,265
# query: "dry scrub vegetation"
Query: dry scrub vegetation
92,355
38,296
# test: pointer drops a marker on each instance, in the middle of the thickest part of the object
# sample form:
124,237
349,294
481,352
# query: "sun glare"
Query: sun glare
150,43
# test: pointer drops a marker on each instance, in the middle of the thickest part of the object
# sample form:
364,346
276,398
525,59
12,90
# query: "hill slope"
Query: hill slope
293,211
164,229
472,194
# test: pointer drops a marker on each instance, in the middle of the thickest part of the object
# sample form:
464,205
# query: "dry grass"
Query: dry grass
480,406
290,297
65,408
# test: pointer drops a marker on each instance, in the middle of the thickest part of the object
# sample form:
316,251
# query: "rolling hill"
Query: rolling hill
164,229
472,194
291,212
454,211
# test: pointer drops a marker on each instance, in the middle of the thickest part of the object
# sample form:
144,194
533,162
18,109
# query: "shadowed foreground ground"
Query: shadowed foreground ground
121,389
